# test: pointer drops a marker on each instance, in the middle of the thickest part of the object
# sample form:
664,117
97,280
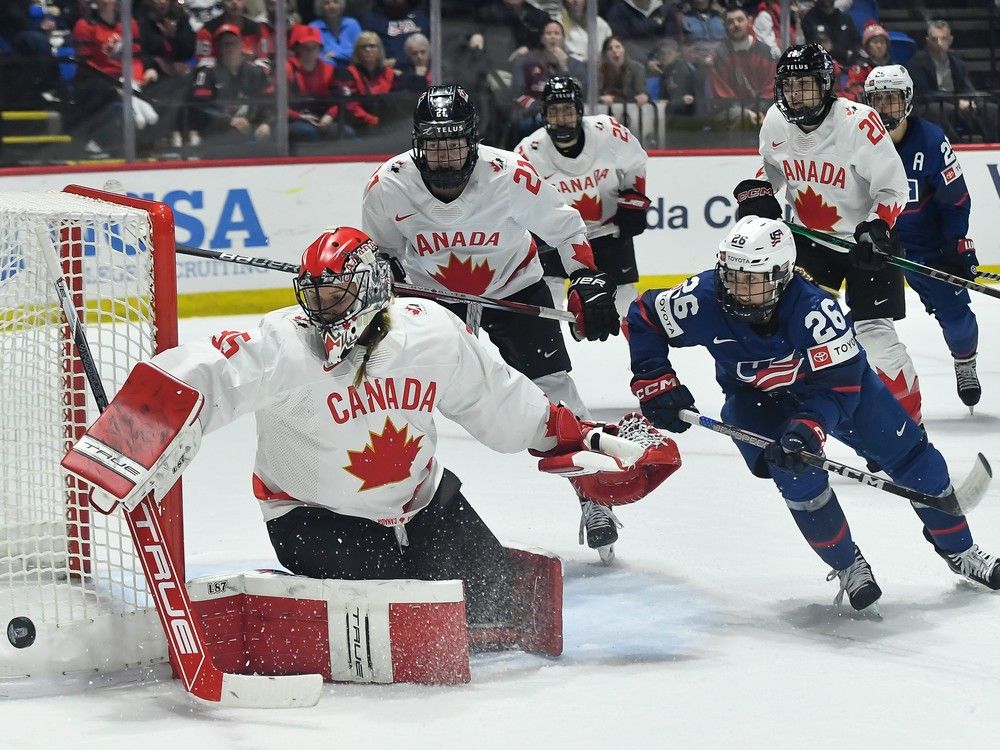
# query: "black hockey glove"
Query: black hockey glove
591,299
398,272
803,433
661,398
756,198
962,260
875,244
631,214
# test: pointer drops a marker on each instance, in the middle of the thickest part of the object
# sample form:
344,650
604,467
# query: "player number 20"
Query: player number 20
828,324
874,126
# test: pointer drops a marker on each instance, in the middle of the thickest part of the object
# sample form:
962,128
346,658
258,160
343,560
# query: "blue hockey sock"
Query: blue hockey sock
825,528
950,533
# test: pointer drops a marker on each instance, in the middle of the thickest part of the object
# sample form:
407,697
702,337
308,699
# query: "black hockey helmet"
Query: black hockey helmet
798,61
562,90
445,113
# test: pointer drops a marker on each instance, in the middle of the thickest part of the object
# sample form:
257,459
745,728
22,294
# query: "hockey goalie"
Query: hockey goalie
394,576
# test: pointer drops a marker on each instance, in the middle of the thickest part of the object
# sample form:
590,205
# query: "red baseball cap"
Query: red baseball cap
302,34
228,28
871,31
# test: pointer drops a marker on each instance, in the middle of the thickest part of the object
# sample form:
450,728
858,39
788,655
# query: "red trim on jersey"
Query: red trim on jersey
846,388
262,492
951,529
532,253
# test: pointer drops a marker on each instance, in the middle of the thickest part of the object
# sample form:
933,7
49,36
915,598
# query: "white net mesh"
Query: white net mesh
62,565
638,429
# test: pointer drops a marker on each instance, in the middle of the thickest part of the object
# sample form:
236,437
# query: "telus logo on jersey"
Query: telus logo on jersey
799,170
768,374
438,241
381,395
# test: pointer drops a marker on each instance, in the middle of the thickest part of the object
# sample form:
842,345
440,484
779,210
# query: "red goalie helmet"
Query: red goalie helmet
342,285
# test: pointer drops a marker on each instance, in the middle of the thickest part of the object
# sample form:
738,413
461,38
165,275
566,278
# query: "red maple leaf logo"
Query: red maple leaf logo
463,276
889,214
589,207
583,254
814,212
386,458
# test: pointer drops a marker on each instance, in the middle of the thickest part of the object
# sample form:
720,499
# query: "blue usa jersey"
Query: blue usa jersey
936,214
812,351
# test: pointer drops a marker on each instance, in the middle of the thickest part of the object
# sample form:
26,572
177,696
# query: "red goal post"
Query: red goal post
73,598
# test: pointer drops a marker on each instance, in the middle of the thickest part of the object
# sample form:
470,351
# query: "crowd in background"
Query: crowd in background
203,71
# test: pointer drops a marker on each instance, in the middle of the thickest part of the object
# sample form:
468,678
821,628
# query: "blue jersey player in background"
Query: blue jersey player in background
792,370
935,221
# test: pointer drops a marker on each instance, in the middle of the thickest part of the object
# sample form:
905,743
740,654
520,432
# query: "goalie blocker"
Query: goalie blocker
141,443
273,623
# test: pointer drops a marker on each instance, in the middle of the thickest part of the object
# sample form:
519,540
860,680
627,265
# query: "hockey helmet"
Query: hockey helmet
798,99
755,264
341,286
445,136
562,90
880,85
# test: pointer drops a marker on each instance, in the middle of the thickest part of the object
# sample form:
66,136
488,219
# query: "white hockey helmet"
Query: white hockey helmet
880,84
342,285
755,264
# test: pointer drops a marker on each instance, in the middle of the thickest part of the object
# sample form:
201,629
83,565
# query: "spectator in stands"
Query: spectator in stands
767,25
574,21
24,33
394,21
642,19
256,38
825,18
622,79
339,32
368,77
703,29
95,116
270,20
415,74
874,53
229,95
939,75
166,35
741,81
311,114
676,78
523,19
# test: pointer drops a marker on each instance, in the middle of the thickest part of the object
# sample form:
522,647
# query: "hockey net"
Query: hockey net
73,599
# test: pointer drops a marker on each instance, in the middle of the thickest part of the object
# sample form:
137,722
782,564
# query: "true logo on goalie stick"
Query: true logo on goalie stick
359,654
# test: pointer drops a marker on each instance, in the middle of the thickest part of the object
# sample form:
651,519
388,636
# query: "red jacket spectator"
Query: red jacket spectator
306,86
743,71
99,42
367,76
258,43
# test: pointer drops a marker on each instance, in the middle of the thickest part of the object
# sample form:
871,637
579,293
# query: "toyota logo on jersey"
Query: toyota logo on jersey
768,374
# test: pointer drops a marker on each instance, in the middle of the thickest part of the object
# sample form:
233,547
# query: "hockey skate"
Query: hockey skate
973,564
858,583
599,525
967,381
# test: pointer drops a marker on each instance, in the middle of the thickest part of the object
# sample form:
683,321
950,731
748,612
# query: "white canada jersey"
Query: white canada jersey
365,450
844,172
479,243
612,160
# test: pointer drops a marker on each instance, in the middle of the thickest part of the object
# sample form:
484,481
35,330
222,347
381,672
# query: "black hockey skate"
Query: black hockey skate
967,381
973,564
599,526
857,582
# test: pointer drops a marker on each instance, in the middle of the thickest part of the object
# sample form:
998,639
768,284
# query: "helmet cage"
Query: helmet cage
759,291
755,265
809,60
882,81
445,113
562,90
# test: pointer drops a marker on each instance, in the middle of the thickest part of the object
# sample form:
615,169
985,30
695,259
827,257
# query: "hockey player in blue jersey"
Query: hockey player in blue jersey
792,370
935,221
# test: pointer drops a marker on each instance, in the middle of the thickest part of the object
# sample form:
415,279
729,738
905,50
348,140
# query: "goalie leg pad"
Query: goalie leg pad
273,623
141,443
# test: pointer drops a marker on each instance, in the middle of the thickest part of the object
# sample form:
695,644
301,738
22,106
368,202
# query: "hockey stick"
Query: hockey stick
962,500
907,265
406,290
181,625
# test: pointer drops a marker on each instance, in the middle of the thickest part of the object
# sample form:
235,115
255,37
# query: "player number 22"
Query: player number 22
874,126
526,173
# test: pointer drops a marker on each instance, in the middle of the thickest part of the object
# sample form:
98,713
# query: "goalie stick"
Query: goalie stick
965,497
907,265
404,289
183,629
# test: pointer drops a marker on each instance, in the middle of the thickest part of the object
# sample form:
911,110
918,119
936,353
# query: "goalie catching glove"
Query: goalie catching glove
610,464
141,443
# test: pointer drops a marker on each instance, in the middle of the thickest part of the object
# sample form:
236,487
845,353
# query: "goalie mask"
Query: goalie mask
755,264
445,136
889,91
342,285
562,109
803,84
